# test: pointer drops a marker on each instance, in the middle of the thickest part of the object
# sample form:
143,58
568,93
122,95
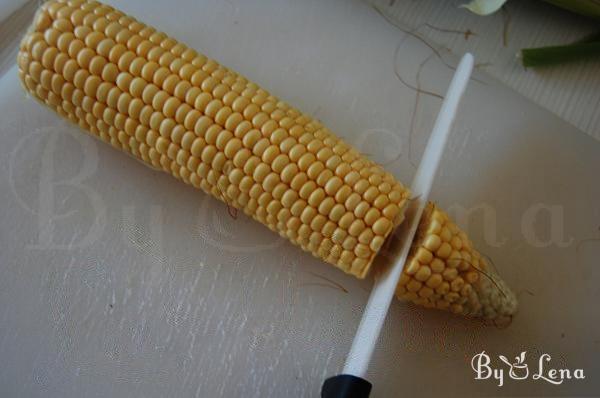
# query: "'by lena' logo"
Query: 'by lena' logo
519,370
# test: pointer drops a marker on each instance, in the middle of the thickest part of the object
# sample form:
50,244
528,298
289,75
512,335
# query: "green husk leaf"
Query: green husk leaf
588,8
589,38
484,7
552,55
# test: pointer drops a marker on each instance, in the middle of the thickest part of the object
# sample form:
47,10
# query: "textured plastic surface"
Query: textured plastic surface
116,280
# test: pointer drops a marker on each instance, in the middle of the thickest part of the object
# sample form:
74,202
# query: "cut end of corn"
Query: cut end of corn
177,110
444,271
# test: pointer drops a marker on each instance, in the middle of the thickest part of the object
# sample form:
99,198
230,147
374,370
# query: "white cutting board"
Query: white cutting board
116,280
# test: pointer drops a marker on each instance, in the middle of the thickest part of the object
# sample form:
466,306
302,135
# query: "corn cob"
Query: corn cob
444,271
179,111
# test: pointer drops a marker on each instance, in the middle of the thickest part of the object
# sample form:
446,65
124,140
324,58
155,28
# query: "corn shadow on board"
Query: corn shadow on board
171,295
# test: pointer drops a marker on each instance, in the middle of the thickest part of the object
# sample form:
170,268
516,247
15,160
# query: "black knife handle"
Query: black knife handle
345,386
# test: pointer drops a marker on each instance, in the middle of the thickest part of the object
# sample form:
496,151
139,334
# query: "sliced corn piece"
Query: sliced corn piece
445,271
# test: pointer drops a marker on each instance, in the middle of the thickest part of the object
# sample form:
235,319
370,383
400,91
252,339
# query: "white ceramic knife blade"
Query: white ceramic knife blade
386,281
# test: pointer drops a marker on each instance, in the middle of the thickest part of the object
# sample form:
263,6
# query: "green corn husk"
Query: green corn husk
588,8
587,47
552,55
